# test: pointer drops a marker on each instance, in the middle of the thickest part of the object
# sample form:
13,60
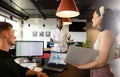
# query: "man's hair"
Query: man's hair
58,18
5,26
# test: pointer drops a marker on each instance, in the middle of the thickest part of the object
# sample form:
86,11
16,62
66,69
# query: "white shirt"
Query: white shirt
60,39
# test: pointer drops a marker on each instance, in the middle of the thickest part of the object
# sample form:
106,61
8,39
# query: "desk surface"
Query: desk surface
71,71
47,49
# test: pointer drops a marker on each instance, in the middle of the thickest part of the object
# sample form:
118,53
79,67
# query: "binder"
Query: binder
80,55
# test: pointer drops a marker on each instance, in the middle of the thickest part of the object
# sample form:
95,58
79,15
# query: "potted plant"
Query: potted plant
86,44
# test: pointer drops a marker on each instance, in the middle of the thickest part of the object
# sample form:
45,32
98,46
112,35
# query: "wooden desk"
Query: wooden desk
71,71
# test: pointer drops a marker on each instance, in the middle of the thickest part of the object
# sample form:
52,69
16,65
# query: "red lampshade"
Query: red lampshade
67,8
67,21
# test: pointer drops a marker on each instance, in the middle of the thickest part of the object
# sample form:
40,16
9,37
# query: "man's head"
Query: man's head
59,23
7,33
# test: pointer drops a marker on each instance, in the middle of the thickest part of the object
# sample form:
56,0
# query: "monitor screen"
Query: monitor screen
57,58
29,48
77,27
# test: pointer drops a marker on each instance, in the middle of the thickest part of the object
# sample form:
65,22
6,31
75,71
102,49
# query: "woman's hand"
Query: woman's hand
76,65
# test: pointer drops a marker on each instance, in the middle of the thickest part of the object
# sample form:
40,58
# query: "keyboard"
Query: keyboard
56,65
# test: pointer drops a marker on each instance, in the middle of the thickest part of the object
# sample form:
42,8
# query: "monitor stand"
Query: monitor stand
29,59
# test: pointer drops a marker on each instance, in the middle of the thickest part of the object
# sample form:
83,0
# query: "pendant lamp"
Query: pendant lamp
66,21
67,8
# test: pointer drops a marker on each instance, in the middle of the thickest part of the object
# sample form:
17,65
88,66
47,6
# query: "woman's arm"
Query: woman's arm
106,42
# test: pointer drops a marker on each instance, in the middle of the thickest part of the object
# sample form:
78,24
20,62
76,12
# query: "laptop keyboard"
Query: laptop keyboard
56,65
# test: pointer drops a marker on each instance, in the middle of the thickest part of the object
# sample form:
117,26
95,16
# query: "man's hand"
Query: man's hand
51,39
41,74
36,73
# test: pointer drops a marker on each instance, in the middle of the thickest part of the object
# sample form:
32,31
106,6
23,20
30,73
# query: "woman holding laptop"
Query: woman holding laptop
104,21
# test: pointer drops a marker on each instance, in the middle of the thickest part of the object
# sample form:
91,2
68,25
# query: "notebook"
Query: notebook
56,62
80,55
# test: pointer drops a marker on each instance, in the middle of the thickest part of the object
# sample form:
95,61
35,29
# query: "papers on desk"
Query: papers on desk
29,65
79,55
32,66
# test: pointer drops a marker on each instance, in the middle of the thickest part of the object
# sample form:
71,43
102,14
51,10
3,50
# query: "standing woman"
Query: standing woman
103,19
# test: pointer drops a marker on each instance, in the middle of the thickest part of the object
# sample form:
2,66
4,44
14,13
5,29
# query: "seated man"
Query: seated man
8,67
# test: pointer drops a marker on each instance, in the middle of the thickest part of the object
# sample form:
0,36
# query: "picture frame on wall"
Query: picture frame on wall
41,34
35,33
47,33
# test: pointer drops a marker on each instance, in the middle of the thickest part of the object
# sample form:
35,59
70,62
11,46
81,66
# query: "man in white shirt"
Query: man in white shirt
59,37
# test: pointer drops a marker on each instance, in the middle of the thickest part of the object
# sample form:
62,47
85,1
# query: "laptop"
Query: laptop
80,55
56,62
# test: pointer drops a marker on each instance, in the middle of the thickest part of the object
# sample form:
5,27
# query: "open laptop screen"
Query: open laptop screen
57,58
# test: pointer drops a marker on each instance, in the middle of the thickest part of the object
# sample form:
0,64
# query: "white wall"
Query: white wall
36,24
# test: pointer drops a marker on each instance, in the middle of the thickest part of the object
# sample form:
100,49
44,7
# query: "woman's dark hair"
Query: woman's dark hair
98,12
108,21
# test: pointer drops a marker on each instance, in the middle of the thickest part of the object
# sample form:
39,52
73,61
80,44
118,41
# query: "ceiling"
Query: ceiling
44,8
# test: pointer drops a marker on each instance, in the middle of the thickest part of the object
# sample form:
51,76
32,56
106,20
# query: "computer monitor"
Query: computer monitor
29,48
